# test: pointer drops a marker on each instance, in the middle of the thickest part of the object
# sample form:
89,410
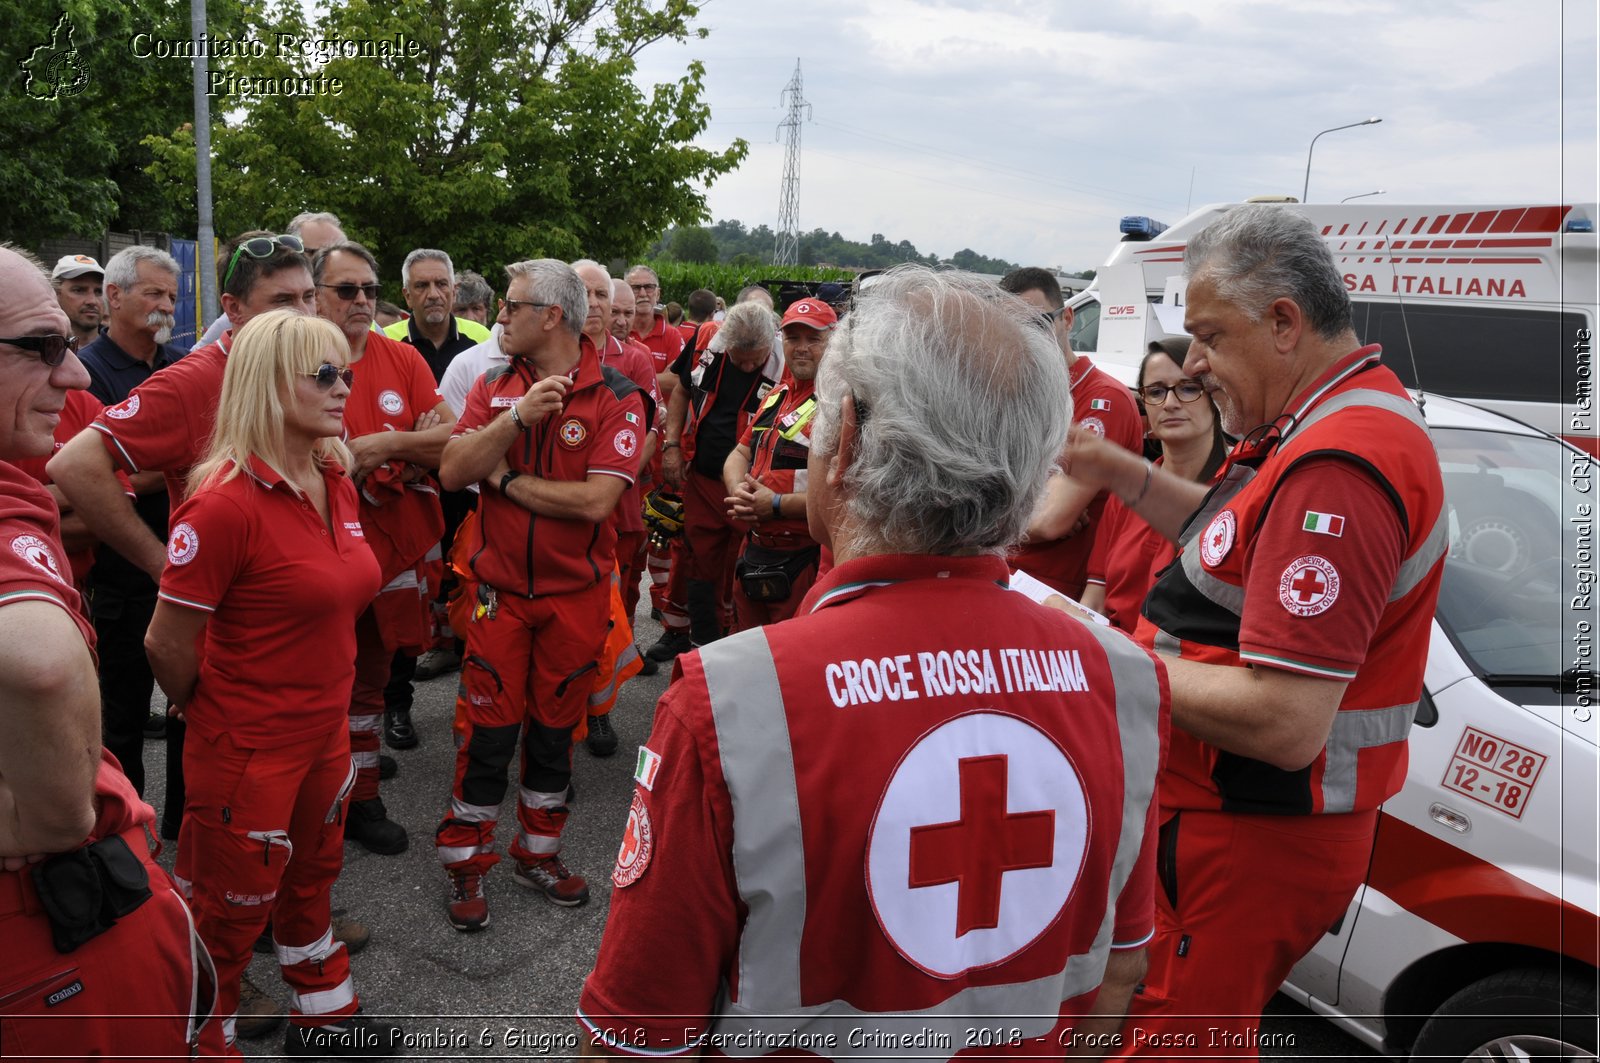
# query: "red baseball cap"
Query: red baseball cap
814,312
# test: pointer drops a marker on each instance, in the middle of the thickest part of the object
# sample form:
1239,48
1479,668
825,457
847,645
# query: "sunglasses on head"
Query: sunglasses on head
327,373
52,350
348,292
261,247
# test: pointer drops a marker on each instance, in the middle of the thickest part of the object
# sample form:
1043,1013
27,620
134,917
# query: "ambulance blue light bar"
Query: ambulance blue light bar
1138,227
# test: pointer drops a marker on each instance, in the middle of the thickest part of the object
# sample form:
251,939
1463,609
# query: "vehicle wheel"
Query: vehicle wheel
1514,1015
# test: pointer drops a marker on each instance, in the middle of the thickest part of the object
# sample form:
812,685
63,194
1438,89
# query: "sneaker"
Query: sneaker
648,666
258,1013
368,824
435,663
155,725
354,1035
388,767
602,740
468,908
669,645
354,935
398,732
550,876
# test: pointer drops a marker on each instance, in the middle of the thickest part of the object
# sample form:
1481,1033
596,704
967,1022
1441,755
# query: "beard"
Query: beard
163,323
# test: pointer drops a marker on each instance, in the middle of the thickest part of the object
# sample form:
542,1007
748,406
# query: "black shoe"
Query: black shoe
648,666
354,1035
397,730
388,767
155,725
368,825
669,645
602,740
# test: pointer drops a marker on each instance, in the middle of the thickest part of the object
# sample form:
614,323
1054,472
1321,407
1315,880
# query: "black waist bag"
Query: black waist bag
769,575
86,891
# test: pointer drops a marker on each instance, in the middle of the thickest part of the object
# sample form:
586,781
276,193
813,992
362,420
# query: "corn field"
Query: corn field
678,279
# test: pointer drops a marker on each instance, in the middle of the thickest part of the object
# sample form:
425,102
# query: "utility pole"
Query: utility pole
204,240
787,250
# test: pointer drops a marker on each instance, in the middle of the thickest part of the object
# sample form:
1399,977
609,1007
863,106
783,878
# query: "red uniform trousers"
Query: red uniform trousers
265,832
531,662
667,585
711,545
630,566
366,704
137,990
659,564
1253,894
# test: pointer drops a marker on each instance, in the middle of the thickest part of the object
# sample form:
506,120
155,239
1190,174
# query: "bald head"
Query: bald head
622,306
597,283
31,392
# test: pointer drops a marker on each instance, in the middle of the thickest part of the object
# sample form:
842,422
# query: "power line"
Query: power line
787,249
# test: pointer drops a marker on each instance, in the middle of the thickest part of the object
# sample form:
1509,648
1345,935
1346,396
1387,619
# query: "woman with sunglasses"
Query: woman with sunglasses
268,565
1182,420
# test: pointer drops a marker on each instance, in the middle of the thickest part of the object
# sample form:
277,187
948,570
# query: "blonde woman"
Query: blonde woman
268,568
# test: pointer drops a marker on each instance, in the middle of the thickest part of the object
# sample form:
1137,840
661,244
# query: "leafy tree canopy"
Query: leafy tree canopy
738,245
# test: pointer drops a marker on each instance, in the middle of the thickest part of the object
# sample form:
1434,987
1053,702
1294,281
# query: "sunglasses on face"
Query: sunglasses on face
52,350
1048,318
327,373
348,292
1186,390
261,247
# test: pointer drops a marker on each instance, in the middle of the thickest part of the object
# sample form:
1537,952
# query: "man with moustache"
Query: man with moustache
141,290
78,282
396,427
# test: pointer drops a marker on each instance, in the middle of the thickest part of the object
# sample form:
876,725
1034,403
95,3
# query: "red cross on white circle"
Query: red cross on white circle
1309,585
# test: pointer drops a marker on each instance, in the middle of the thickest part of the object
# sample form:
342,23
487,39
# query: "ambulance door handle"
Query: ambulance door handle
1449,817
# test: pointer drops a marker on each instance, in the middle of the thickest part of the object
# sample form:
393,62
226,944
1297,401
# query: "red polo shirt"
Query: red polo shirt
598,432
634,361
80,409
165,423
32,562
663,341
283,593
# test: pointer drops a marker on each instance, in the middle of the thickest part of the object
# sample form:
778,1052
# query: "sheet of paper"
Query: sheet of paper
1036,589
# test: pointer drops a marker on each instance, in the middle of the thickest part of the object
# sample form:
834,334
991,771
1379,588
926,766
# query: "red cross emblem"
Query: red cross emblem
183,545
978,849
1218,538
638,841
1309,586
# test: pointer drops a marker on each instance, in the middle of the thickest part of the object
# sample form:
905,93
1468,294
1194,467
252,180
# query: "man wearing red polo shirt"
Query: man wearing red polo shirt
553,440
396,426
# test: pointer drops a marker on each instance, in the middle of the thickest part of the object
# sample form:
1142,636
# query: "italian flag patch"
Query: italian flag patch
648,767
631,418
1323,524
1099,404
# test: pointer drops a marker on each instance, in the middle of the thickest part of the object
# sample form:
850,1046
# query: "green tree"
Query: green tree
515,130
694,244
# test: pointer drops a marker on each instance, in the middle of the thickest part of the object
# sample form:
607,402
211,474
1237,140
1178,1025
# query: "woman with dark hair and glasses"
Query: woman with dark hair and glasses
1183,422
268,565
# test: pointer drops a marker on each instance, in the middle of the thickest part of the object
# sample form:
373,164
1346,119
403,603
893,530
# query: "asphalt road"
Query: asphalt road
509,991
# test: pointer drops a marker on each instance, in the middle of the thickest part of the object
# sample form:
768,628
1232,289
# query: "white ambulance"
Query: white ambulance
1475,935
1493,304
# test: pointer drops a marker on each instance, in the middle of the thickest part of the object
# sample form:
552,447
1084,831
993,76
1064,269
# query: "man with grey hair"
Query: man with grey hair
433,329
650,325
720,389
990,854
474,297
78,281
1301,605
315,230
141,289
552,439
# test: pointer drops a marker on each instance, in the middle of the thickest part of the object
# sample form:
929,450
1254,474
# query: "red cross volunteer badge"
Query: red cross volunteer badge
1217,539
1310,585
573,434
184,544
977,843
638,841
36,552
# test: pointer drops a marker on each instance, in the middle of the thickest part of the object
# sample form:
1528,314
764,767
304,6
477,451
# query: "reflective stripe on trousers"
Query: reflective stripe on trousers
769,860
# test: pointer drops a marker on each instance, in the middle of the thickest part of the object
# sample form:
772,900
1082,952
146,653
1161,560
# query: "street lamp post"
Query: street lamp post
1363,195
1304,192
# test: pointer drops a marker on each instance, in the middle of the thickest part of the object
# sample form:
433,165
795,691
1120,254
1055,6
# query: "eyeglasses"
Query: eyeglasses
645,287
348,292
327,373
1186,390
52,350
261,247
514,303
1048,318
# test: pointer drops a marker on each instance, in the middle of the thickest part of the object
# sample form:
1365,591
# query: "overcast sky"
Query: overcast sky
1027,130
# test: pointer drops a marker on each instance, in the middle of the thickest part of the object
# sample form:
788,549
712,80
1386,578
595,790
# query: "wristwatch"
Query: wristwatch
505,481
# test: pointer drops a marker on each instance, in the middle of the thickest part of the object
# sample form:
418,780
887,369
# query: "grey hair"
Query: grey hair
748,327
425,254
962,406
472,288
319,262
655,278
580,263
1256,254
122,269
555,283
304,218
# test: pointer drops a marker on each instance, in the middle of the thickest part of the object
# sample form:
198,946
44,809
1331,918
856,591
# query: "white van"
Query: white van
1495,304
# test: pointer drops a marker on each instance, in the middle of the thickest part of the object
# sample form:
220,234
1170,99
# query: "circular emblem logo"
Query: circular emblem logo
1310,585
183,545
626,442
1095,425
390,402
638,841
124,409
36,552
977,843
1217,539
573,433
